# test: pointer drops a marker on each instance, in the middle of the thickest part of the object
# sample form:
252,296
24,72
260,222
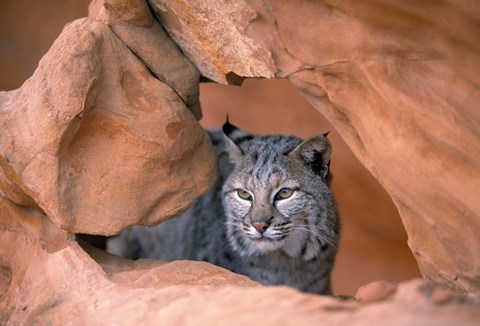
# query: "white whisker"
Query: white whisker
232,223
323,239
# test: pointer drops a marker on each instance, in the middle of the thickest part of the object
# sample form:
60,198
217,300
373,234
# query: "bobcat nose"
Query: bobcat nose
261,226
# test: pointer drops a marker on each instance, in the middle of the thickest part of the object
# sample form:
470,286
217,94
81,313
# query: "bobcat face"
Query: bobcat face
276,197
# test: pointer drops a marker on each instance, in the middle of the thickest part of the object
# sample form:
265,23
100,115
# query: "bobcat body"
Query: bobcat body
271,215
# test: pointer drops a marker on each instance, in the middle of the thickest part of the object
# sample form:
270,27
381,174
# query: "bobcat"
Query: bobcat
271,215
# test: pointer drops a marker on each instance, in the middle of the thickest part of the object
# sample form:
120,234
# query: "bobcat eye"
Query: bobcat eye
244,194
284,193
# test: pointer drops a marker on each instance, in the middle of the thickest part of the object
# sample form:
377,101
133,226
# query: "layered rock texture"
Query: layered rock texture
104,135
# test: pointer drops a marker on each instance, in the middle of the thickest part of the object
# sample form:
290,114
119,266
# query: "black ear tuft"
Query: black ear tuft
315,153
235,134
228,128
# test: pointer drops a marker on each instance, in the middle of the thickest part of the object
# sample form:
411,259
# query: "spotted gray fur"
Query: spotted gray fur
275,241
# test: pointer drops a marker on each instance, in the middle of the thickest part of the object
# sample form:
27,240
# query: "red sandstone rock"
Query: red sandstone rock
225,51
97,142
134,24
375,291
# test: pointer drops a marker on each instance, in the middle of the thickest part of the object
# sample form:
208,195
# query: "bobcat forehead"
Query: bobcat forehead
263,165
268,149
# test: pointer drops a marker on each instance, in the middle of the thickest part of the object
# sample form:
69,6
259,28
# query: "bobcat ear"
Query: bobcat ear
315,153
232,137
